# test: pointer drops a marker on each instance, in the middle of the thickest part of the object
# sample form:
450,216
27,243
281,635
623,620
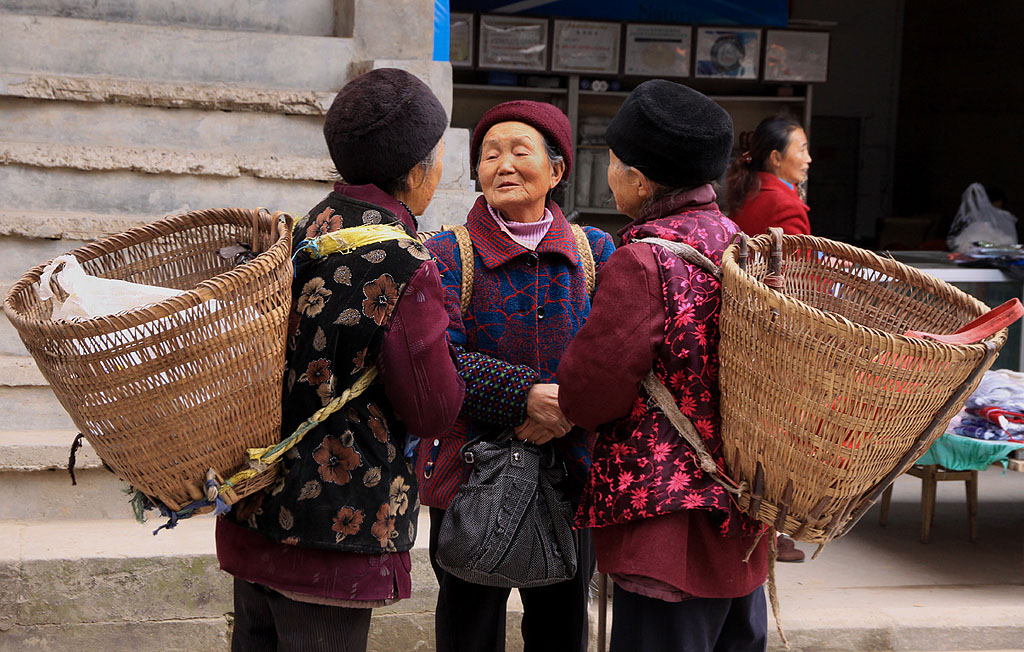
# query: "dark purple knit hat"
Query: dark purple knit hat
381,124
546,118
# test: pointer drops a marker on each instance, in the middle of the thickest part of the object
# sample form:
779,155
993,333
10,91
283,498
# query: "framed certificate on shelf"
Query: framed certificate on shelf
460,48
586,47
658,50
791,56
513,43
730,53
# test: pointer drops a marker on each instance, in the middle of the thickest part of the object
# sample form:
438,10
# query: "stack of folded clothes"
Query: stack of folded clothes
995,411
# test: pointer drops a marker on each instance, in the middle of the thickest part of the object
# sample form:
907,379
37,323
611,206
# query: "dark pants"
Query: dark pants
471,617
694,625
266,621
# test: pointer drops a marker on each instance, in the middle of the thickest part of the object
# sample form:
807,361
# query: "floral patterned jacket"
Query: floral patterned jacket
641,467
347,485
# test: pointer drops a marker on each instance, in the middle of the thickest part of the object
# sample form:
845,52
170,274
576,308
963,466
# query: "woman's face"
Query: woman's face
515,172
792,164
625,186
423,185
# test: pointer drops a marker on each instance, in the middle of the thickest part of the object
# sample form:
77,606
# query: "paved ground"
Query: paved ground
882,589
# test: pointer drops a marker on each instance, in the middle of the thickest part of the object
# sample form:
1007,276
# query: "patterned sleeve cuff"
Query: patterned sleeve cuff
495,390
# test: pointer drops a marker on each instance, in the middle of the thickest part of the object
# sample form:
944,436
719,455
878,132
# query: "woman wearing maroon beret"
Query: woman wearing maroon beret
529,298
665,531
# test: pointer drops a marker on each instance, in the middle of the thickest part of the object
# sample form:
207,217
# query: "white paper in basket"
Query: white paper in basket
92,296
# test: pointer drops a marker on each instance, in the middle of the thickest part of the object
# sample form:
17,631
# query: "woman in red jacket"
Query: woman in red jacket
762,181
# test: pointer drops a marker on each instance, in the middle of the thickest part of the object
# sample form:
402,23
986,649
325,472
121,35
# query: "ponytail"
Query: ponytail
742,182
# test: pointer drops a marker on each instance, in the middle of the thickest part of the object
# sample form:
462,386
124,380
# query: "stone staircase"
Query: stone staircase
114,114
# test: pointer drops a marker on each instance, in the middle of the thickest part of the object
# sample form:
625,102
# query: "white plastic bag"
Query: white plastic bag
92,296
979,221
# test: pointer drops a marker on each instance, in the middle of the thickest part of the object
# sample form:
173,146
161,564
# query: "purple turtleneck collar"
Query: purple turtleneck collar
371,194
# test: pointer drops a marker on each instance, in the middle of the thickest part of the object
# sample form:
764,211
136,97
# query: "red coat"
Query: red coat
776,204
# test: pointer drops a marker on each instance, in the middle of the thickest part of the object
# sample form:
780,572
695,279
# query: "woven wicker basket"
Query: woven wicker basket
824,402
166,392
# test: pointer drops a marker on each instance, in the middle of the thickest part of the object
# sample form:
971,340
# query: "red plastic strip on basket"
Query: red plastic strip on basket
981,328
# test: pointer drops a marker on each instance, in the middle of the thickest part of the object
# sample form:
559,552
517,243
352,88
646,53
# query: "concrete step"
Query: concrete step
26,401
35,483
28,190
91,135
80,584
180,94
41,192
90,124
165,161
68,46
311,17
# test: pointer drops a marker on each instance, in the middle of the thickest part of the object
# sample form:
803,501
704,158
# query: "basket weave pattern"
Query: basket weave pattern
166,392
822,398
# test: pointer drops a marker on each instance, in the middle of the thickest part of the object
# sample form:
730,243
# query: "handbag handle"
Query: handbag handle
981,328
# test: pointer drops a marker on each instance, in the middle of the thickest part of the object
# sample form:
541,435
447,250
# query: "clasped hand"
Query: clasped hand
544,419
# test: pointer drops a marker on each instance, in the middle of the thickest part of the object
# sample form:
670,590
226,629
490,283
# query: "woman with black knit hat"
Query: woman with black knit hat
530,295
664,529
330,540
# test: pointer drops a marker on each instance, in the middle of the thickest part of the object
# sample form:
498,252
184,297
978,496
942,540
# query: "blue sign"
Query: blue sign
769,13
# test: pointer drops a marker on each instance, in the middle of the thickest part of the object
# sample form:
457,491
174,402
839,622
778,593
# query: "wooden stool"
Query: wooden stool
930,476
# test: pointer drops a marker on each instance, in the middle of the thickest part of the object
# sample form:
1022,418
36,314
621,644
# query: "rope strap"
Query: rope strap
261,458
663,398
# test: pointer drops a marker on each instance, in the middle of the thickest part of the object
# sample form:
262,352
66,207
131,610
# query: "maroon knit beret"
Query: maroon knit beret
381,124
546,118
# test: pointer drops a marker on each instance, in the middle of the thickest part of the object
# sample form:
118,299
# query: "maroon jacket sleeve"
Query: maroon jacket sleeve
599,376
416,361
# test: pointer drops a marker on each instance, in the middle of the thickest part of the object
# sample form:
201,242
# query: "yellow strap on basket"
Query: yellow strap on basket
349,239
261,458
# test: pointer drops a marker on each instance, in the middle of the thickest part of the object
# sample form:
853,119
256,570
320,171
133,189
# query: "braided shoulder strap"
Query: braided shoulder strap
586,257
466,254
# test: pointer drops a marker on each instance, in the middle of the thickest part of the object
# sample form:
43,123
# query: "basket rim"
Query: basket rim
889,266
212,288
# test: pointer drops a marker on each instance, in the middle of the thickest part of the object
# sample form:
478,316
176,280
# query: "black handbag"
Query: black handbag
509,525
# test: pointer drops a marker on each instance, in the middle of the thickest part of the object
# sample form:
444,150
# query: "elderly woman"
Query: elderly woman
664,530
330,540
763,181
529,298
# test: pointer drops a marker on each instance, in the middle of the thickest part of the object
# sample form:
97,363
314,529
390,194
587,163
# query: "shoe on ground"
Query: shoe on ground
787,550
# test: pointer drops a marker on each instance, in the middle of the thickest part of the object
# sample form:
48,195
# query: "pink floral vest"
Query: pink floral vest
642,467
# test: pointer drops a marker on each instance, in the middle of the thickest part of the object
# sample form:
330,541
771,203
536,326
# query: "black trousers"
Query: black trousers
266,621
694,625
471,617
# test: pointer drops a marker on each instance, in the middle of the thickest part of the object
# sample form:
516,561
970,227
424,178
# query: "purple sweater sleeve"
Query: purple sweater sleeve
416,361
600,374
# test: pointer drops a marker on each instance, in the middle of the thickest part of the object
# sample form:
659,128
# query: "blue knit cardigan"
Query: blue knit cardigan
526,308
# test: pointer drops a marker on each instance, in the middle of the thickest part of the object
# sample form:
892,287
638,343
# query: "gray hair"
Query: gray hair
401,184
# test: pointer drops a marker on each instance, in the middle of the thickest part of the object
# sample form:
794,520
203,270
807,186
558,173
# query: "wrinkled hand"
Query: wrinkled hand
532,432
542,407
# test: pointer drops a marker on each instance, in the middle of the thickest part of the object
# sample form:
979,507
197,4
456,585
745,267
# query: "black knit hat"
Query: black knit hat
673,134
381,124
